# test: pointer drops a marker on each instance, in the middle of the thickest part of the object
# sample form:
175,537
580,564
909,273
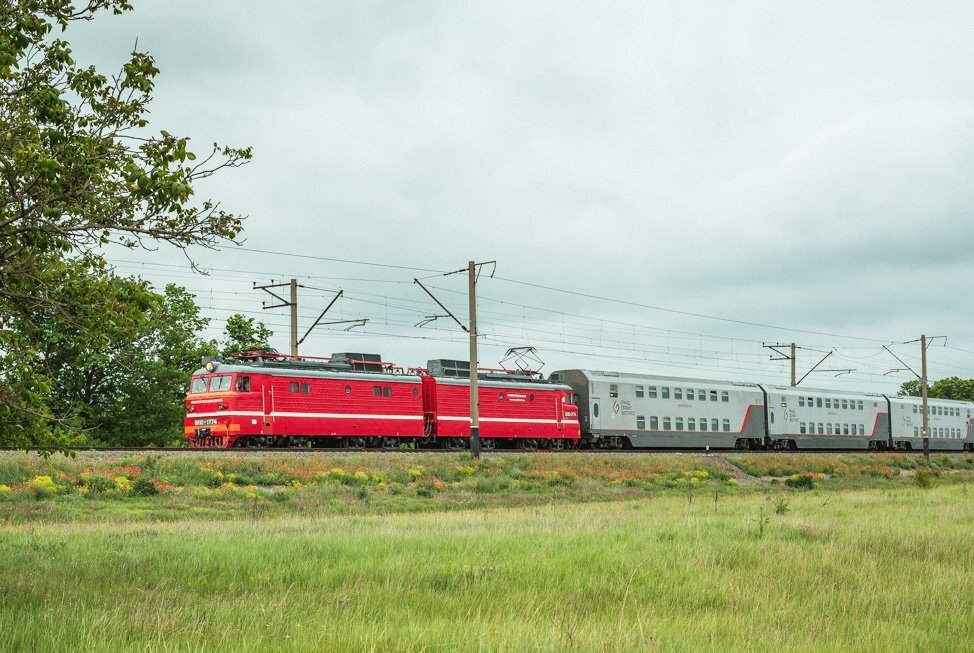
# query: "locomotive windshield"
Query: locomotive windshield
211,384
219,383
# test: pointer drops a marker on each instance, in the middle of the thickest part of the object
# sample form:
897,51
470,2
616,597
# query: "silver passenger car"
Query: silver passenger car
949,423
619,409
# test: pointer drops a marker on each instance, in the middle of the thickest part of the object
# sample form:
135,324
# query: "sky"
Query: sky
664,186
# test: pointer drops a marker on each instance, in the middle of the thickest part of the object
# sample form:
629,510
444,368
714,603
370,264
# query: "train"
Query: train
266,399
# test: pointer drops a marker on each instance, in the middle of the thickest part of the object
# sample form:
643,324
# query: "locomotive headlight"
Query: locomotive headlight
210,366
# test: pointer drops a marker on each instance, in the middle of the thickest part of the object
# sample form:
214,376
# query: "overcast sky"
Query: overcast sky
805,167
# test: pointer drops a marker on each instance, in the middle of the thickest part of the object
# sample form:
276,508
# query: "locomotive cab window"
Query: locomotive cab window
199,384
219,383
243,384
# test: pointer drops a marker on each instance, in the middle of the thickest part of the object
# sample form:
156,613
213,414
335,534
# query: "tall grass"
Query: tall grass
857,570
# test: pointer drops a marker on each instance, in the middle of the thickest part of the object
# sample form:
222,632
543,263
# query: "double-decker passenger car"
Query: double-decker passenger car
949,423
639,410
803,418
642,410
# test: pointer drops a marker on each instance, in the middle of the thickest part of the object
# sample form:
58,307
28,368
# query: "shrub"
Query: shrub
801,482
123,484
923,479
97,484
42,487
144,487
5,491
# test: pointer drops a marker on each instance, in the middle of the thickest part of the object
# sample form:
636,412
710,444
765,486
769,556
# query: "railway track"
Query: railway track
381,450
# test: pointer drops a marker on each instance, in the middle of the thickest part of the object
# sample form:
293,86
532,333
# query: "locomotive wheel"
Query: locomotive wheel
488,444
390,443
356,442
558,445
527,444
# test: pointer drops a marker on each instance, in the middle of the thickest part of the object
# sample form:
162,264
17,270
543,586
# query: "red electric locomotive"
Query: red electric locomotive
356,400
267,399
514,409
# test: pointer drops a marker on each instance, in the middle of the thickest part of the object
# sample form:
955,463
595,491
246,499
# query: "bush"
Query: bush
923,479
144,487
42,487
800,482
97,484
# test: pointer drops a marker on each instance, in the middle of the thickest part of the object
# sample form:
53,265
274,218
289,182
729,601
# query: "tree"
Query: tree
152,392
77,165
124,382
909,389
78,170
244,333
952,387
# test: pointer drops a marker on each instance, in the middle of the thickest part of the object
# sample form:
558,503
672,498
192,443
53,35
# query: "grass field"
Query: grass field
864,561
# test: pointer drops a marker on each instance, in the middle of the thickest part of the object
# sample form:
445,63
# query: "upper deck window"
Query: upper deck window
613,390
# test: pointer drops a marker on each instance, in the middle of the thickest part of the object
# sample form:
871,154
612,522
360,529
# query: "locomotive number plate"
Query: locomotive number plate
206,422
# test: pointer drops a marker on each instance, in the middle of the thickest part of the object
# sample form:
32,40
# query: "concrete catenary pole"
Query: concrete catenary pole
793,366
474,396
923,393
294,317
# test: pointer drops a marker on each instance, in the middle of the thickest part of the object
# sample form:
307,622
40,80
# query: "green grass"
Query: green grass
850,570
